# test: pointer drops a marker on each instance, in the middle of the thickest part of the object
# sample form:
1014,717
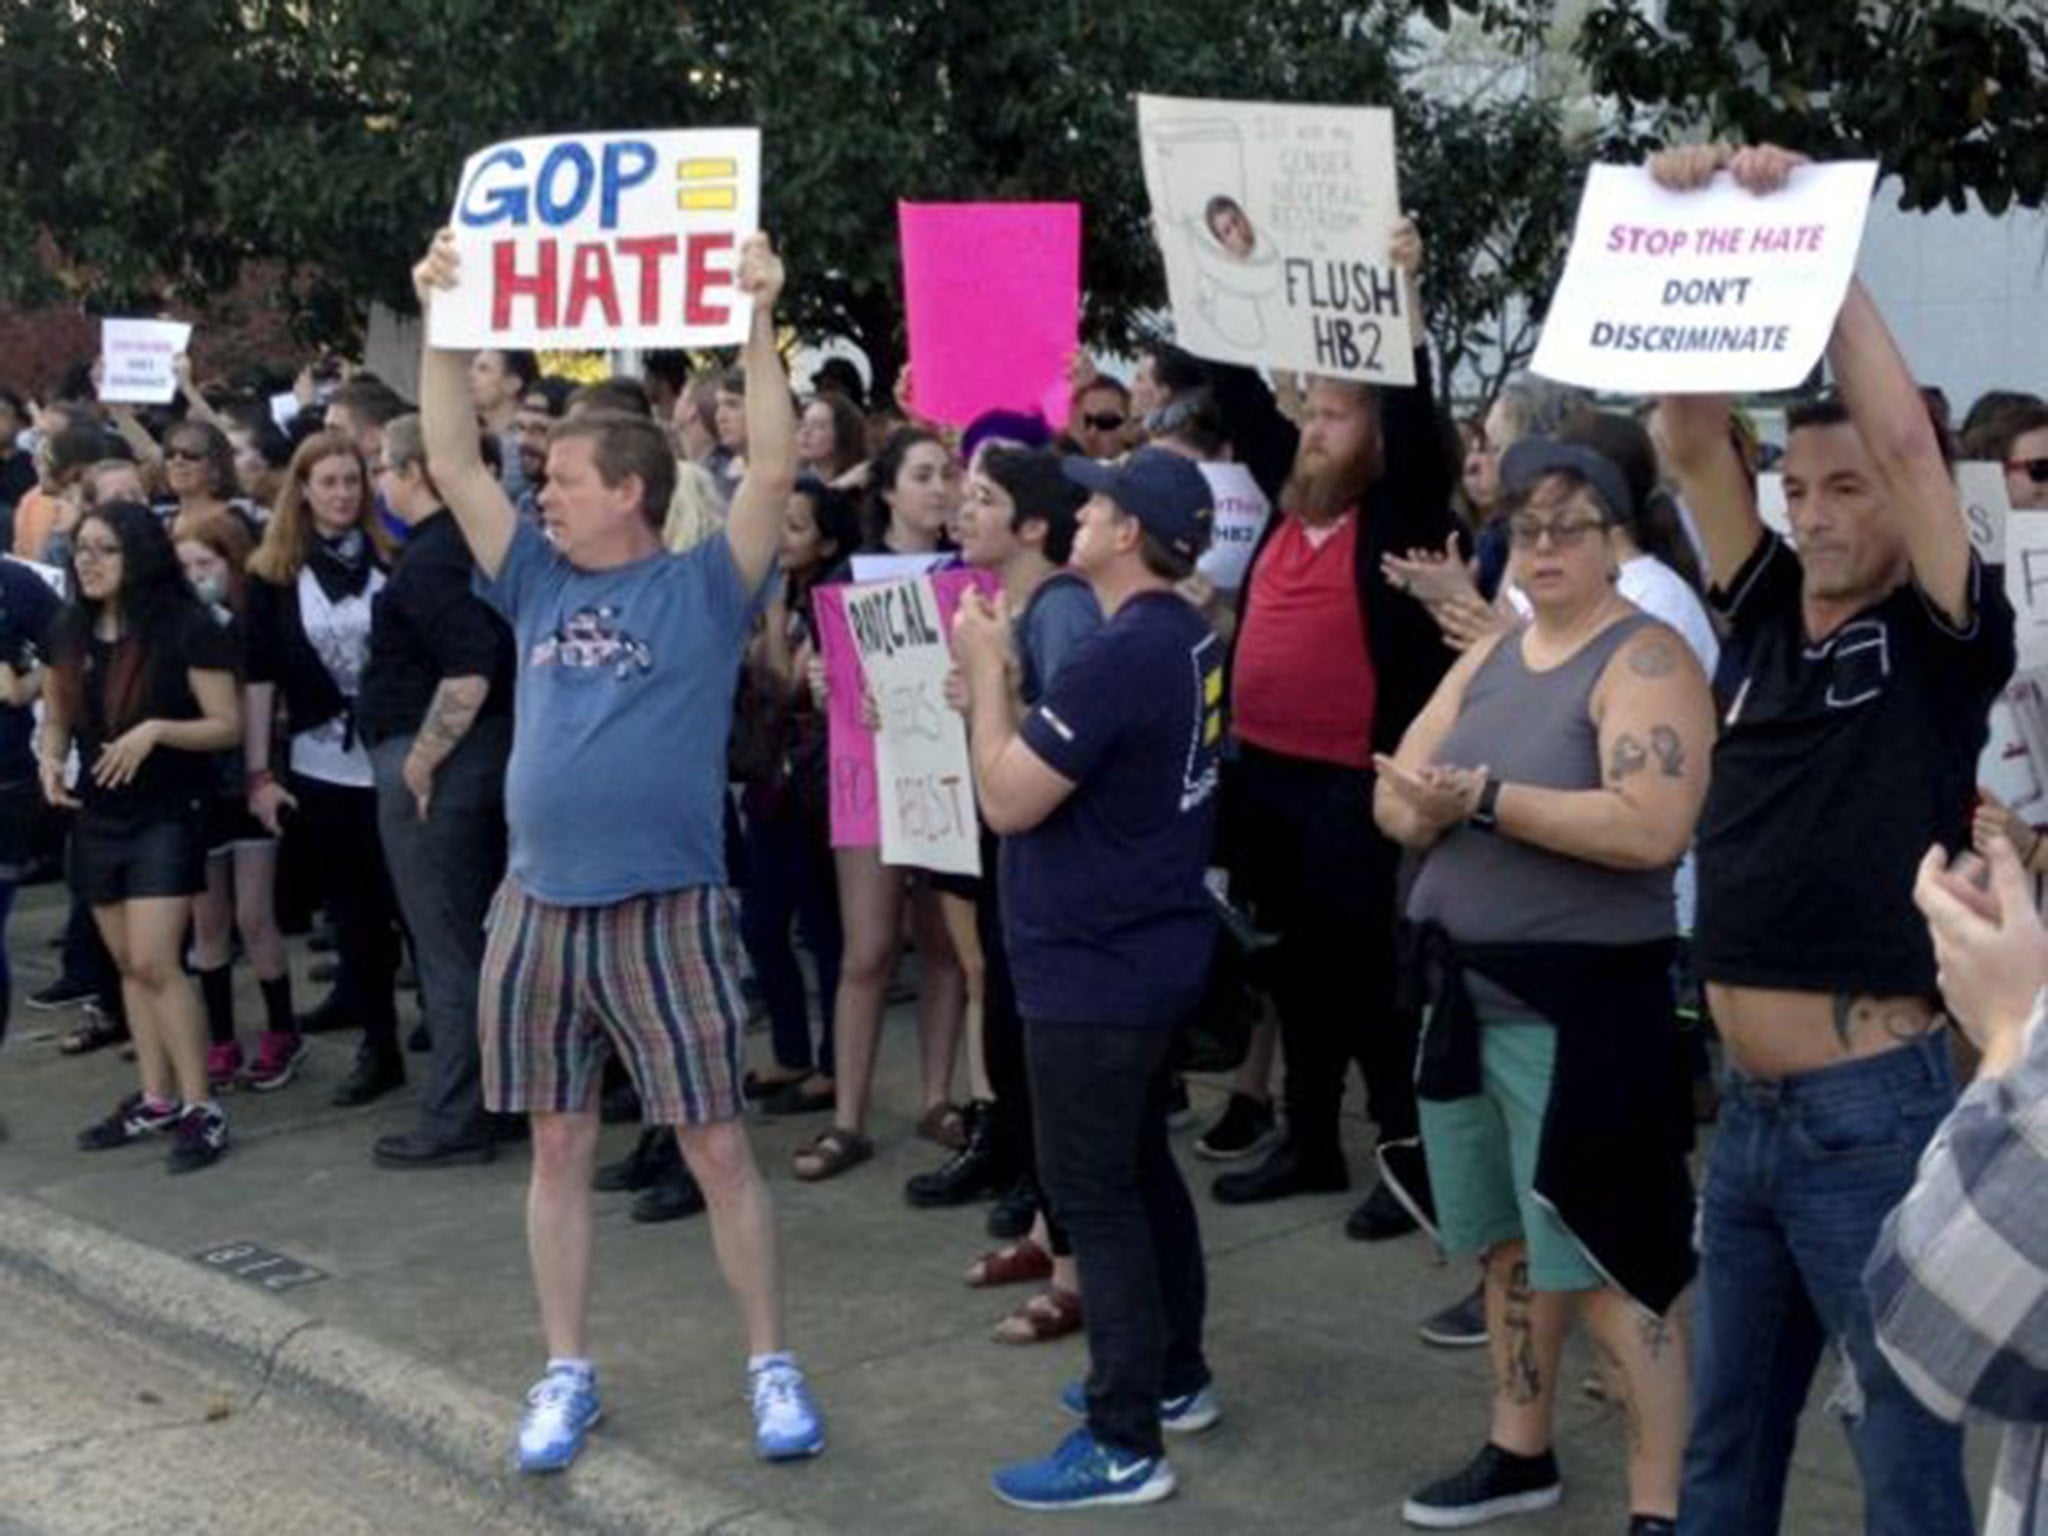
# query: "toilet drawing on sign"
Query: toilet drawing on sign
1201,177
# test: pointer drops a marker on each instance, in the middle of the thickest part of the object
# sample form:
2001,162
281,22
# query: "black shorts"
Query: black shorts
230,823
22,814
116,858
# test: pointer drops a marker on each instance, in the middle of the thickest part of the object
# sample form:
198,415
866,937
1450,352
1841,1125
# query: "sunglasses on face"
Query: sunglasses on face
2035,470
184,456
1102,421
1566,533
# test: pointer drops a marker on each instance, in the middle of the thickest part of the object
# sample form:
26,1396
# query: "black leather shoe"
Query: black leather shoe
372,1078
1286,1172
654,1157
409,1149
967,1175
1016,1208
1379,1217
327,1015
670,1200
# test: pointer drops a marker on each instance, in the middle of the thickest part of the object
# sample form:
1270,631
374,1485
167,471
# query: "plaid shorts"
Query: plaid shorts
655,978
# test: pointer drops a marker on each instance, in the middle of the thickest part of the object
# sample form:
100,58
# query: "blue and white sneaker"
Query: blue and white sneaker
787,1425
1188,1414
560,1409
1081,1473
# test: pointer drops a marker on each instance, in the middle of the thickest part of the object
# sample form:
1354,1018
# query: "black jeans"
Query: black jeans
1099,1100
339,825
445,869
1011,1135
1306,856
789,880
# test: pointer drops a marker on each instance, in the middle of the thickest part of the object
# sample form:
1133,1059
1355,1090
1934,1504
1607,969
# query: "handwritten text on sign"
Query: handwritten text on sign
1708,291
2026,584
867,791
603,240
1273,223
139,359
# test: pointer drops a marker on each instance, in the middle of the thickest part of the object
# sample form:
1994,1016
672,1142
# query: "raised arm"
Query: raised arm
1656,720
448,424
1891,418
753,524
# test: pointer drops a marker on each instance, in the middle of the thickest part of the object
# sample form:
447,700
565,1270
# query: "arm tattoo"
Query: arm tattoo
1669,749
450,714
1655,657
1626,758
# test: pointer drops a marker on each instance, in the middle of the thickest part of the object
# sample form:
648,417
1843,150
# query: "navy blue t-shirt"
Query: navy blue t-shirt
27,609
1104,910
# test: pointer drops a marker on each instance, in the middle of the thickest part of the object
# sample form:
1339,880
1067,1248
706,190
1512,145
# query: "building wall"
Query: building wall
1966,294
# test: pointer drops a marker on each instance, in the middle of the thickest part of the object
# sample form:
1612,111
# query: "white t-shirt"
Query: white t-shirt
1241,513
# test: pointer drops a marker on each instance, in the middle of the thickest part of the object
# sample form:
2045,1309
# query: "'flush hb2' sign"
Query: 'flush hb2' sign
603,240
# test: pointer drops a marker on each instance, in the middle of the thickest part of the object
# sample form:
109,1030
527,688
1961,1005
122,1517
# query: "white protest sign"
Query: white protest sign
887,567
2026,584
603,240
138,360
1705,292
1770,503
924,779
1274,222
1987,503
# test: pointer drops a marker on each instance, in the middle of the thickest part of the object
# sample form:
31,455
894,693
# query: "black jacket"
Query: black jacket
279,652
1407,507
1612,1161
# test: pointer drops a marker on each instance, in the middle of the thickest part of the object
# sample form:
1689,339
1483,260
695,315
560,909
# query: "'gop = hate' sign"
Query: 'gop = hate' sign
603,240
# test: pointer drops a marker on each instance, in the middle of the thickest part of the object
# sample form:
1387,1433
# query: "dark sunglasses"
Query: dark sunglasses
1105,421
2036,469
185,455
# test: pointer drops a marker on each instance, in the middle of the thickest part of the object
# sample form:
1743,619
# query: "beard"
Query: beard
1321,489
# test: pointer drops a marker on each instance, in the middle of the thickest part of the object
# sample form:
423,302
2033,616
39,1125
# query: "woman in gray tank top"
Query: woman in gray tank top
1551,787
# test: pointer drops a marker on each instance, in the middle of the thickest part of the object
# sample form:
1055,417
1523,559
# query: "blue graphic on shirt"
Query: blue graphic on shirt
590,640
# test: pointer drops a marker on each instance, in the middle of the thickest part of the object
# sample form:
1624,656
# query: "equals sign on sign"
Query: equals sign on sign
707,185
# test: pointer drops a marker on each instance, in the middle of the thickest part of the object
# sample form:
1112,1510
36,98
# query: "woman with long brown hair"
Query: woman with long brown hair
144,687
311,584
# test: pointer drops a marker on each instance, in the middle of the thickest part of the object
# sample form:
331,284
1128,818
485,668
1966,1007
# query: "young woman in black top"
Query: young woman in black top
311,585
145,688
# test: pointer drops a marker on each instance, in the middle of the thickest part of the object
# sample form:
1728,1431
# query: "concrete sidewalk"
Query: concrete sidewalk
1334,1410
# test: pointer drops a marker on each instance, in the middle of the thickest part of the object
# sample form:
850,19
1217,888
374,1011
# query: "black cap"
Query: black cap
1165,492
1530,459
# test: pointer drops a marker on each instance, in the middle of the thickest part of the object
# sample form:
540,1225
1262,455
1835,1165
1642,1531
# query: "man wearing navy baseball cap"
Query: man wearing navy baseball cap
1104,794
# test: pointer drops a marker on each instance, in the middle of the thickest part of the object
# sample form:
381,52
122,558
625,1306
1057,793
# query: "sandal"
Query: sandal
945,1124
95,1034
1051,1314
1018,1264
830,1154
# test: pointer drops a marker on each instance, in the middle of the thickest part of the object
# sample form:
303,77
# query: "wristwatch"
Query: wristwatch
1485,815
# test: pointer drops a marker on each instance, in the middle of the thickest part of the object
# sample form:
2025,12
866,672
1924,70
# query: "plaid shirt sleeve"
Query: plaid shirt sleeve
1959,1279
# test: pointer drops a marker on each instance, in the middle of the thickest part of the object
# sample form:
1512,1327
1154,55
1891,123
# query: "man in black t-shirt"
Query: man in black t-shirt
1863,664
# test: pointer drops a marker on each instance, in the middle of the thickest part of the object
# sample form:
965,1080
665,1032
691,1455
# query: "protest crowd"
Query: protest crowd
1513,761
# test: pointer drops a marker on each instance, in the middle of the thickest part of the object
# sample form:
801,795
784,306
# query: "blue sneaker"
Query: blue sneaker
787,1425
1188,1414
560,1409
1081,1473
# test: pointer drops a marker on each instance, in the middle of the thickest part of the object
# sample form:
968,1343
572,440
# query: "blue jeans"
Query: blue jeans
789,879
1801,1176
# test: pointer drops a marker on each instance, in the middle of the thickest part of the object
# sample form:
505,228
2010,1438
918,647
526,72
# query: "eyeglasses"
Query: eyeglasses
1102,421
184,456
1566,533
2035,470
92,551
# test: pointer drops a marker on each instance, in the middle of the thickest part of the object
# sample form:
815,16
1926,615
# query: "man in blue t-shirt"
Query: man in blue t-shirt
1104,795
613,930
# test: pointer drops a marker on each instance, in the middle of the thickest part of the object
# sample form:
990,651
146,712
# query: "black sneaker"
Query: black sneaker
198,1139
1461,1325
654,1157
1651,1525
132,1119
1247,1126
671,1200
1495,1483
62,993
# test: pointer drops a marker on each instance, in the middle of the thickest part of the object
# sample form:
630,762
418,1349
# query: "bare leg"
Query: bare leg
152,1068
942,998
256,908
156,937
966,941
743,1231
213,917
1644,1360
558,1225
871,910
1255,1073
1524,1338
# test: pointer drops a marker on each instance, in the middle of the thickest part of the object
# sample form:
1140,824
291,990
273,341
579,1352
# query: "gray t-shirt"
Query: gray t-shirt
623,710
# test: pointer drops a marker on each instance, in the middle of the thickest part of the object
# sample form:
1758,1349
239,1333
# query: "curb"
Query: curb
403,1402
